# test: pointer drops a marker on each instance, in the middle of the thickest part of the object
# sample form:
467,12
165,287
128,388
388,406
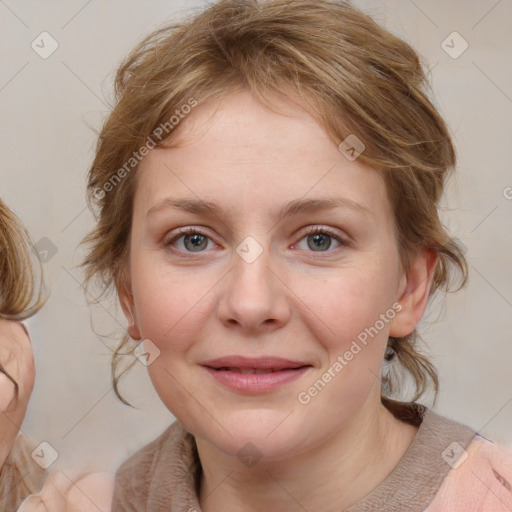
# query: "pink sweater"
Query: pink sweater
447,468
483,481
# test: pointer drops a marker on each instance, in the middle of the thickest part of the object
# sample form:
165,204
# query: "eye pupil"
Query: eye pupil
197,241
319,238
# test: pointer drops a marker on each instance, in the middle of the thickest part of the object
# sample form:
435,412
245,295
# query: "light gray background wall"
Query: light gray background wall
47,109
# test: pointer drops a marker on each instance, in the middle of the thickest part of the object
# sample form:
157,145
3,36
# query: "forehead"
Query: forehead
235,149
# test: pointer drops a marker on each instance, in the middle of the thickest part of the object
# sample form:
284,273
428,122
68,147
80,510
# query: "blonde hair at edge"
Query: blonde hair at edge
352,76
21,277
21,290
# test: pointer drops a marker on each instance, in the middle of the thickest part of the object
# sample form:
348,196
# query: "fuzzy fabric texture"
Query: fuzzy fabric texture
447,468
21,476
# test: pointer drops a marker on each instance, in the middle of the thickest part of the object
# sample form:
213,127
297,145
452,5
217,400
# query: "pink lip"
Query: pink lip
256,382
226,371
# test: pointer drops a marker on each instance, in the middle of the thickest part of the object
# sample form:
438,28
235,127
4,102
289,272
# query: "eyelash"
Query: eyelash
196,231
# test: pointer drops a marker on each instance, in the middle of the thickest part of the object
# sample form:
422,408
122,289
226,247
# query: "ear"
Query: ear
413,293
126,300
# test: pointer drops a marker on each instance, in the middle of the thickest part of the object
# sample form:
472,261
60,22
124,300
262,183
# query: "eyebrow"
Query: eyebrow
292,208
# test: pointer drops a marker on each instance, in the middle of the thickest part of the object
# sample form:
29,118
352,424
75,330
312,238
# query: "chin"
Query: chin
257,434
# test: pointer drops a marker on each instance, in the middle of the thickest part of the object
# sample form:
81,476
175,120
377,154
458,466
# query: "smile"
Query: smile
255,381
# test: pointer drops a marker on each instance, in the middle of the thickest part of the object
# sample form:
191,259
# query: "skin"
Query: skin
90,493
293,301
17,360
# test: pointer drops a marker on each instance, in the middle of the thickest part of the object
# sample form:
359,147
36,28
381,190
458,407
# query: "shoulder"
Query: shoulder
134,476
491,466
89,493
481,479
20,476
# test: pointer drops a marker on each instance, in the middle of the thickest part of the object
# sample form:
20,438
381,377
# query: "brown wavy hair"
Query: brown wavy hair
352,75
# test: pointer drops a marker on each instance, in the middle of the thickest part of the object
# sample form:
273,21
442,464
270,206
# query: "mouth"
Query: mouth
255,375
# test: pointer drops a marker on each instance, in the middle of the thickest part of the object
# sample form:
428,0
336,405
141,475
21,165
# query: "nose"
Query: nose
254,297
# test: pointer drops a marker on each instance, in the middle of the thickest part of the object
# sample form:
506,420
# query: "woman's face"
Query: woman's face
248,282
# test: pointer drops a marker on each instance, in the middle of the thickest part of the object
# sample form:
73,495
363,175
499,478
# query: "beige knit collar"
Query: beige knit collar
414,481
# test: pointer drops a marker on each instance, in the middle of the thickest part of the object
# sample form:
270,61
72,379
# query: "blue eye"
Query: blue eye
194,240
319,239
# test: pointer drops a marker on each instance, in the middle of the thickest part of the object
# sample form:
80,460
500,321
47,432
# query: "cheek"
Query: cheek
167,303
170,308
343,305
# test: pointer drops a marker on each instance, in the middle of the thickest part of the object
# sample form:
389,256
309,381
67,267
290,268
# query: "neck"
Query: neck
332,477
